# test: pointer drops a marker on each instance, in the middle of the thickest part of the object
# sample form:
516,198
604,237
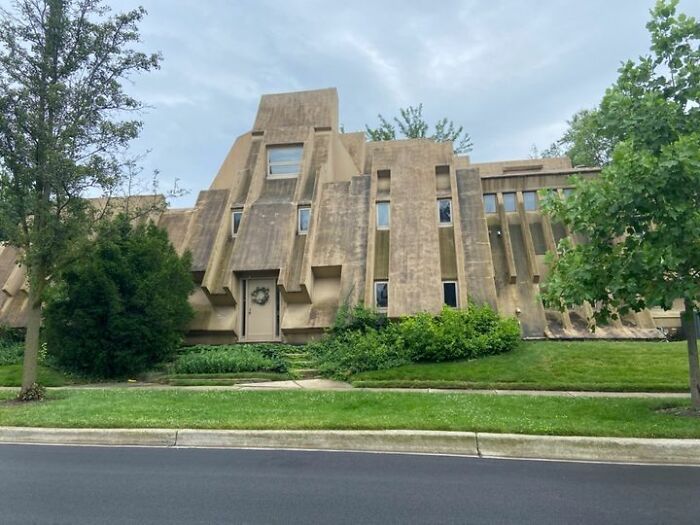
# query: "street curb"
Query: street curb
417,441
89,436
481,444
623,450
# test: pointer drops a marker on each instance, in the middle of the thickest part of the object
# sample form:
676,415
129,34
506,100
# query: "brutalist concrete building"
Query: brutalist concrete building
301,218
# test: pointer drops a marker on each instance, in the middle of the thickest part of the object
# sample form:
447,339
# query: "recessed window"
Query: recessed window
236,217
381,295
490,203
303,220
449,293
382,215
530,200
284,162
509,202
444,207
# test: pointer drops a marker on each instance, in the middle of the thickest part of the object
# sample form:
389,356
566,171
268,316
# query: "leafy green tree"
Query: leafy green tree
122,307
641,217
412,125
65,121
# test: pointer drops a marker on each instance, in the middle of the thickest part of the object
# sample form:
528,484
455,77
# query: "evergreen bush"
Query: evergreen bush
122,307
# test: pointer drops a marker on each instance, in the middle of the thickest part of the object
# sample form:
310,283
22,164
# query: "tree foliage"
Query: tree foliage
412,125
122,307
641,217
65,121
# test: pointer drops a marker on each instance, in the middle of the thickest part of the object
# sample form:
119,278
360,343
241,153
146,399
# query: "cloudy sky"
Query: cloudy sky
510,71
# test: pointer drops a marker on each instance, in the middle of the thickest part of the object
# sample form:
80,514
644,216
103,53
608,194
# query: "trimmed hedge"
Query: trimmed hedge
207,359
360,340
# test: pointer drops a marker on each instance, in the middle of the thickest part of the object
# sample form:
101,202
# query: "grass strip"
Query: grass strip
121,408
631,366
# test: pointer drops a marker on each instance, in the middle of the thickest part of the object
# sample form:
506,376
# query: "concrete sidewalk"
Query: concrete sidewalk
478,444
330,385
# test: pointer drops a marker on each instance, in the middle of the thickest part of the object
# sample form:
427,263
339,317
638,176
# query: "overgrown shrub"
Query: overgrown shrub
360,341
11,345
205,359
350,352
122,308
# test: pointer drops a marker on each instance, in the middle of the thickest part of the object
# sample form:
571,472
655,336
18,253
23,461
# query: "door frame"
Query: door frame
244,318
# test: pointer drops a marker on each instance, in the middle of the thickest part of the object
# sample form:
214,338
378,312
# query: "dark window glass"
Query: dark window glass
445,211
381,294
383,215
509,202
449,292
530,200
490,203
304,219
237,216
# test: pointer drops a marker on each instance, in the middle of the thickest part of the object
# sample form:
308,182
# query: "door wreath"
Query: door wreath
260,295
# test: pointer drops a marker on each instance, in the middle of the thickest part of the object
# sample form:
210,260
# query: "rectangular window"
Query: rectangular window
449,293
284,162
382,215
381,295
568,192
490,203
303,220
509,202
444,207
236,217
530,200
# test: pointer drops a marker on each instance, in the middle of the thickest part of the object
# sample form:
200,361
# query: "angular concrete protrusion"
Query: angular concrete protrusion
507,242
527,238
474,239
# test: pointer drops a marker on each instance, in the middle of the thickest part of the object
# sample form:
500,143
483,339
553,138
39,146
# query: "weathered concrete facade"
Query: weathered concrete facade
301,218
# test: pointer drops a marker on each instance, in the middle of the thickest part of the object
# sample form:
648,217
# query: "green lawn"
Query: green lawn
122,408
11,375
553,365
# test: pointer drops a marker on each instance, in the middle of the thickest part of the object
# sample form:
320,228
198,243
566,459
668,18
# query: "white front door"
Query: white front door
261,308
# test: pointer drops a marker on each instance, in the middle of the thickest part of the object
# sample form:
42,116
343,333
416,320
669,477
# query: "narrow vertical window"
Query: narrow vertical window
381,295
490,203
236,217
284,162
449,293
530,200
444,207
509,202
382,215
303,220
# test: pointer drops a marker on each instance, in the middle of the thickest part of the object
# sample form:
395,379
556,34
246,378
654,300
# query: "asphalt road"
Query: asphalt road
54,484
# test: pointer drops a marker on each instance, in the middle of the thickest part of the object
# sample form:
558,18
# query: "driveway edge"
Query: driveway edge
482,444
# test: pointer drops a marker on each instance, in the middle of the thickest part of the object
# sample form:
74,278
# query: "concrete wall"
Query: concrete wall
496,258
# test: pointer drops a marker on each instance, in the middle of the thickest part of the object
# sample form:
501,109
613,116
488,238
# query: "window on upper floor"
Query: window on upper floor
490,203
303,220
509,202
383,215
530,200
449,293
236,216
284,162
381,295
444,210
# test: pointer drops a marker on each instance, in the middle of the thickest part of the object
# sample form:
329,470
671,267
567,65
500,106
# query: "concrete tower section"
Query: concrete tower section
302,218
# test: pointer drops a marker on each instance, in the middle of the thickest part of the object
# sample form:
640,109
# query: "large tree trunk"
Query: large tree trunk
31,343
691,334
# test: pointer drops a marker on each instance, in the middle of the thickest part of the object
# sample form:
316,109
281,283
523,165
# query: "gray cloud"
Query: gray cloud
510,71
